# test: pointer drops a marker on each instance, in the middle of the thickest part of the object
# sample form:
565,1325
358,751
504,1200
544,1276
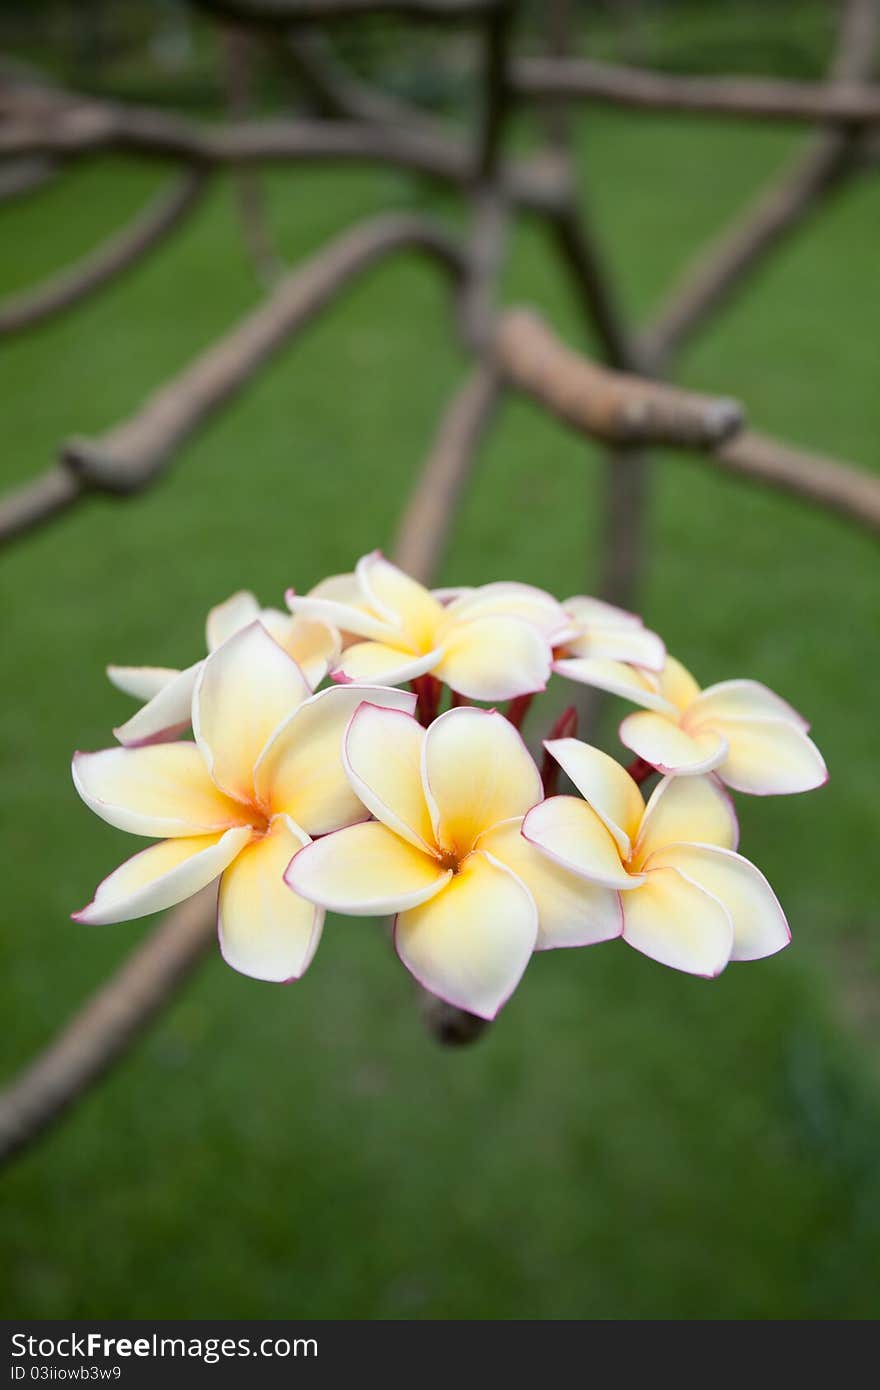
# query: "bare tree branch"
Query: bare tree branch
130,457
107,1025
837,486
783,205
549,79
125,248
425,525
336,91
21,177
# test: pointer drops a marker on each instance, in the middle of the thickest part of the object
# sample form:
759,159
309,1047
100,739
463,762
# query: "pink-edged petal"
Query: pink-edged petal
677,684
636,646
301,773
742,699
606,785
615,677
759,925
229,617
696,810
341,588
401,601
676,922
377,663
571,911
770,757
365,870
471,943
143,682
162,875
382,755
476,771
576,838
595,612
348,617
244,691
168,714
516,600
161,791
662,742
494,658
266,931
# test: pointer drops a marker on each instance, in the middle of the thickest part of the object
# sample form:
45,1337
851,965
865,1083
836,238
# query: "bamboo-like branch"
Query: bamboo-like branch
783,205
427,521
605,404
748,98
151,226
281,14
130,457
108,1024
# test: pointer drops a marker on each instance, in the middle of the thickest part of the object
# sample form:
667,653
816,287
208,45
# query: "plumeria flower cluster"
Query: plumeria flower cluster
365,797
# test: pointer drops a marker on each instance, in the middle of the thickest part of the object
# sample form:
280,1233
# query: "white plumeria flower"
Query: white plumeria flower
168,693
748,735
473,899
593,642
405,632
689,901
264,774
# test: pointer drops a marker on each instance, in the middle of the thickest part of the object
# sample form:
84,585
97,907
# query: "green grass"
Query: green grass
626,1142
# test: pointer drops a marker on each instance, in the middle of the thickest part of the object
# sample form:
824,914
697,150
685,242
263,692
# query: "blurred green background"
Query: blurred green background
626,1142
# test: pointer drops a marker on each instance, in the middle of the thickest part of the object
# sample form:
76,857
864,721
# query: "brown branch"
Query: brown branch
426,523
602,403
130,457
21,177
850,491
783,205
335,91
125,248
549,79
250,192
107,1025
280,14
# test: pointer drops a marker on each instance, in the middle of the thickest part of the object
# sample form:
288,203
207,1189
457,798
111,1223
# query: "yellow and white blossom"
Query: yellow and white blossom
168,693
445,853
404,632
688,899
263,775
748,735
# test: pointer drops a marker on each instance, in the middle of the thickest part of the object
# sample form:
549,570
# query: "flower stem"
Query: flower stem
640,771
518,709
427,690
565,727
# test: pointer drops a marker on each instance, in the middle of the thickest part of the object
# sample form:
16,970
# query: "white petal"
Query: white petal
590,612
693,810
494,658
575,837
400,600
472,942
365,870
770,757
615,677
759,925
676,922
571,911
606,785
245,689
166,715
677,684
162,875
382,755
512,600
661,741
265,930
632,645
301,773
230,617
476,771
380,664
314,647
162,791
742,699
347,617
143,682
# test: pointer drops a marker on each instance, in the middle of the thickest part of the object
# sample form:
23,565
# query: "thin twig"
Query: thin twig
250,192
151,226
